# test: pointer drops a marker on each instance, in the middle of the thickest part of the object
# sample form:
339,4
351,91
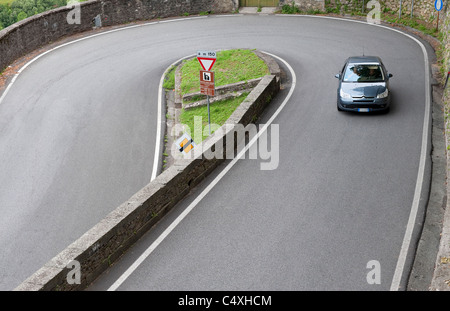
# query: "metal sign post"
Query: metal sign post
437,23
209,114
207,87
438,4
207,60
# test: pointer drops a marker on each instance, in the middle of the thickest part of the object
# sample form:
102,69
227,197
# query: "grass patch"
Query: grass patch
426,27
290,9
231,66
220,112
169,80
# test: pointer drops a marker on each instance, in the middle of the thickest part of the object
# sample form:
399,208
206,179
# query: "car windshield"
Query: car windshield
363,73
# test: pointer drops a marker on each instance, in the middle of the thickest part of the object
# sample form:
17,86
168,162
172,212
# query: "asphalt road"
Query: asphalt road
77,139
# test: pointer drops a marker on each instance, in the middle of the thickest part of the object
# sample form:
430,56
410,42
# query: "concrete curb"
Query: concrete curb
98,248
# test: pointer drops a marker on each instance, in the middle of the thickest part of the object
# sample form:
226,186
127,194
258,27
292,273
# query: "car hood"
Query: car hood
363,89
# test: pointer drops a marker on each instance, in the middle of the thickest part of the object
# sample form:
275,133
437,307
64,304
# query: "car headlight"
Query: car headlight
384,94
344,95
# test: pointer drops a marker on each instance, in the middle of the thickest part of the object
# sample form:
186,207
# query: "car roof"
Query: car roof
364,59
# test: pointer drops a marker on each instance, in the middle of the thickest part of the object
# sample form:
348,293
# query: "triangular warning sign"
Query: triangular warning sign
207,63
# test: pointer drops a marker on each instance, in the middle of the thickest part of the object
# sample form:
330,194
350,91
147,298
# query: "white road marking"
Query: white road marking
159,122
158,130
419,182
399,270
424,147
216,180
400,267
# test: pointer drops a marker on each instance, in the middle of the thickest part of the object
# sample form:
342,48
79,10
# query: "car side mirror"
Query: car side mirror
390,75
338,76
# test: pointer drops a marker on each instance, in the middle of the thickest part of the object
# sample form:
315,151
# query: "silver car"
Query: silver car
363,85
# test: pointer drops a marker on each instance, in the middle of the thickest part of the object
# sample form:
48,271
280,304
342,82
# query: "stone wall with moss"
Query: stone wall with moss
420,8
445,33
305,5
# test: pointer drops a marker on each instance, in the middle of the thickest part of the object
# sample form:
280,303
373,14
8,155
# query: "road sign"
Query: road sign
206,59
207,84
209,54
185,143
438,4
207,88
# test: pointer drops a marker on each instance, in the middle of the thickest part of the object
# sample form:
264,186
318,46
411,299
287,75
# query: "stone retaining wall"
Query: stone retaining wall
441,280
421,8
445,31
39,30
98,248
305,5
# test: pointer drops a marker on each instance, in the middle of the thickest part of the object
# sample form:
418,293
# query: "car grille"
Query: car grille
361,105
363,99
368,97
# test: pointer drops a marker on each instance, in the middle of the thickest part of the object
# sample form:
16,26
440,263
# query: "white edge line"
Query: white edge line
413,214
159,118
418,189
85,38
210,186
158,129
400,267
399,270
229,15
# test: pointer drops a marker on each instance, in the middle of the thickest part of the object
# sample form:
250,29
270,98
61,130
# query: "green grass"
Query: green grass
290,9
416,23
231,66
6,1
169,81
220,112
